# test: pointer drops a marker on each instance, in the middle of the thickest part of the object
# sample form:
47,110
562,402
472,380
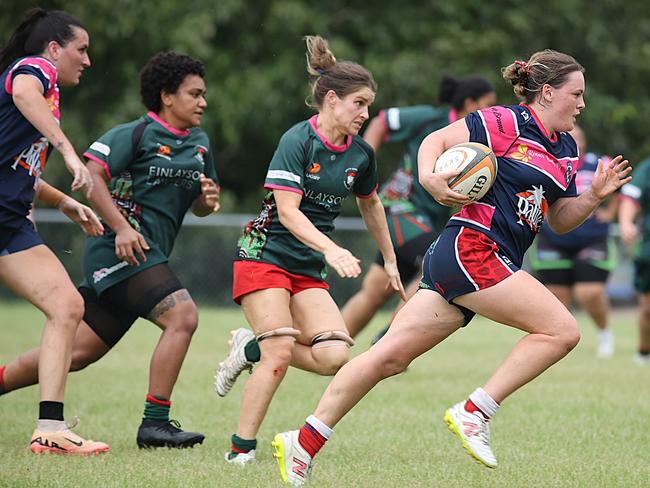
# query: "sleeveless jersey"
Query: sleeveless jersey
324,174
534,171
23,149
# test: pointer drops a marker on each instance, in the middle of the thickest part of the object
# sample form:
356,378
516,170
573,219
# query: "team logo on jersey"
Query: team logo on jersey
164,151
350,176
33,158
520,154
531,208
200,153
568,172
312,171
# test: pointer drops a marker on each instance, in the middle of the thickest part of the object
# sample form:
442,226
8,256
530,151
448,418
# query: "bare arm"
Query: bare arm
628,210
28,97
430,150
374,216
208,201
296,222
375,133
128,242
568,213
71,208
608,211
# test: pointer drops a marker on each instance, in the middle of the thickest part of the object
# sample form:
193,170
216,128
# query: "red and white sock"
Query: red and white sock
313,435
480,401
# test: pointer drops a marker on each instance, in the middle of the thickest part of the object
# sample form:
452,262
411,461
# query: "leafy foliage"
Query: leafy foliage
256,71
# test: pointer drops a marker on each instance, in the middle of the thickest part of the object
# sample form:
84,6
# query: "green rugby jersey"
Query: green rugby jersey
153,185
403,192
306,163
639,190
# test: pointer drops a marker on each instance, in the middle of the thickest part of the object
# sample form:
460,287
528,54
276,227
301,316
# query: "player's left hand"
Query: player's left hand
610,176
209,193
82,215
390,267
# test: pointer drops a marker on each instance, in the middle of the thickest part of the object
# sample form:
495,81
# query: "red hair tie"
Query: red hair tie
524,66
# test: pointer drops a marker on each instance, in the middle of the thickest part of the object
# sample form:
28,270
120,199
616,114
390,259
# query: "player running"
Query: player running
48,49
280,269
147,174
474,266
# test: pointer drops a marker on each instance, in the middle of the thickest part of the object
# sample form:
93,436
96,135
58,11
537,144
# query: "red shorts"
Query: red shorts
250,276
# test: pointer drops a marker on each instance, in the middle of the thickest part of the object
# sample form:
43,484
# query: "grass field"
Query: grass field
584,423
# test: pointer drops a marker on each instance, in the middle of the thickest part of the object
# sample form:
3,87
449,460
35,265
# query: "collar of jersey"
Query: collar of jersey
332,147
176,132
552,138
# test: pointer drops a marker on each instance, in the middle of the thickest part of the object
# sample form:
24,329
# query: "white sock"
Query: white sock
605,334
320,427
484,402
48,425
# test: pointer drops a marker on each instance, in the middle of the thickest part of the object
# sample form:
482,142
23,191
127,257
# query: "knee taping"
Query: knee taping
279,332
320,340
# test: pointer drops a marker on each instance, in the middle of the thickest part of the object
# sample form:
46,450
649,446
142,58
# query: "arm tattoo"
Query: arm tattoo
168,303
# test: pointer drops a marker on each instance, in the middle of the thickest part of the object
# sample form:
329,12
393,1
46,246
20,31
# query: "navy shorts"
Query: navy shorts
555,265
461,261
13,240
409,256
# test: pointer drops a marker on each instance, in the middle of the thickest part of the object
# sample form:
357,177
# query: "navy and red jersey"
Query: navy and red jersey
535,169
23,149
591,230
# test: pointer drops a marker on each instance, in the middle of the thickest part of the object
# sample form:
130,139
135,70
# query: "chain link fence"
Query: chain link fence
205,248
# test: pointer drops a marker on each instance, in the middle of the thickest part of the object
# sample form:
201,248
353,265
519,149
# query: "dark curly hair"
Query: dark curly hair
166,71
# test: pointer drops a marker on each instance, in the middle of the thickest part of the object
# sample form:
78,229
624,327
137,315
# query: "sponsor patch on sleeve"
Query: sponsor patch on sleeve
101,148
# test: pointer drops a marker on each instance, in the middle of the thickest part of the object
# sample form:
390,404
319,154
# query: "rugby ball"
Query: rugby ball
478,167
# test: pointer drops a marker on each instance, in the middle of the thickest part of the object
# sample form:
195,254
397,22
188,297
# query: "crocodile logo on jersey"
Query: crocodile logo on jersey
350,176
531,208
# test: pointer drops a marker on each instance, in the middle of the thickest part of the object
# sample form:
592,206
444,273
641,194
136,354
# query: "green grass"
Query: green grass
583,423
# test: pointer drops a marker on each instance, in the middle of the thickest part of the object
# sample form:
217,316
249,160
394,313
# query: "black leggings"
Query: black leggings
111,315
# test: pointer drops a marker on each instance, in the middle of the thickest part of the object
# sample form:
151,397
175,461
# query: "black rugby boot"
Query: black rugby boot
155,433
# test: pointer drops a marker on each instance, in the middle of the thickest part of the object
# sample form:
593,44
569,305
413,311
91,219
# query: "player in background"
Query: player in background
474,266
635,204
577,264
48,49
414,218
147,174
281,264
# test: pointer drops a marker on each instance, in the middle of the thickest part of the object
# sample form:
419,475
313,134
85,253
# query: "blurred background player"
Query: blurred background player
577,264
48,49
147,174
283,254
474,266
635,204
414,218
